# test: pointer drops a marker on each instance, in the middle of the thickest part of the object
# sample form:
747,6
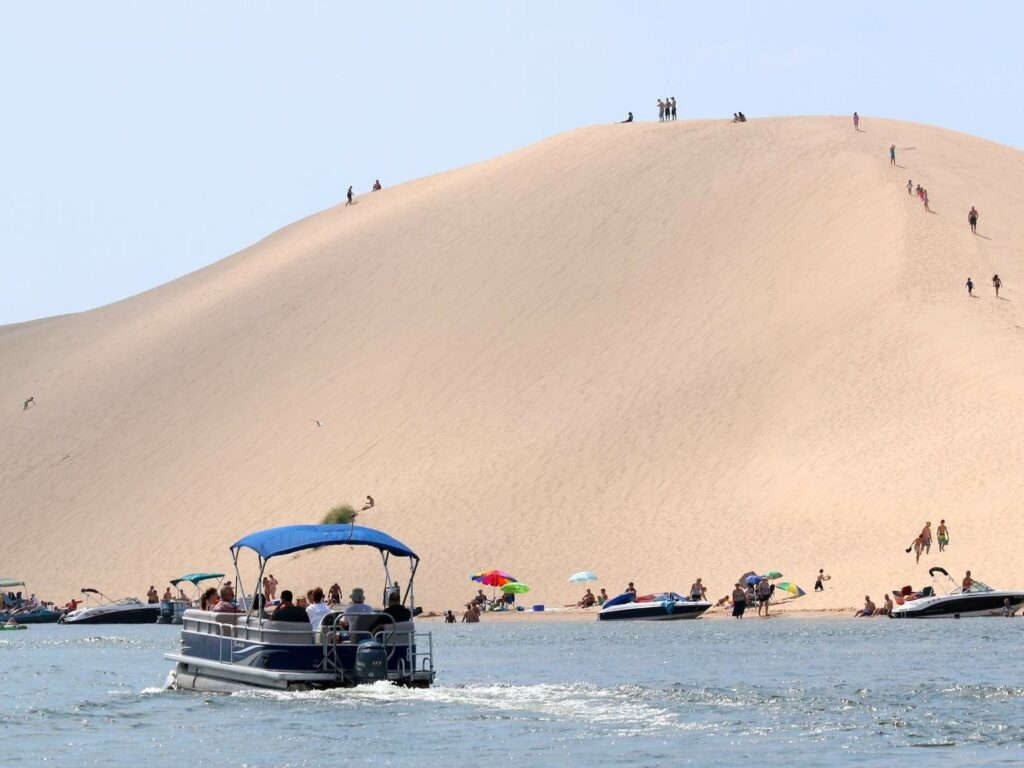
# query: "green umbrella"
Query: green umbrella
515,587
773,575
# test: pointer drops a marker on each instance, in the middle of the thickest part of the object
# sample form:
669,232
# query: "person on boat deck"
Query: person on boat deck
259,603
967,583
152,596
396,611
631,590
357,606
602,597
587,600
167,594
286,611
227,600
208,599
317,608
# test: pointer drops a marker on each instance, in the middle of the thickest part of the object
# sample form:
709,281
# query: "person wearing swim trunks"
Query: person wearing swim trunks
819,583
892,154
943,532
661,111
997,284
972,219
970,292
673,107
926,538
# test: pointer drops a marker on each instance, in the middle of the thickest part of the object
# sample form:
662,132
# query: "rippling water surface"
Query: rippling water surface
786,692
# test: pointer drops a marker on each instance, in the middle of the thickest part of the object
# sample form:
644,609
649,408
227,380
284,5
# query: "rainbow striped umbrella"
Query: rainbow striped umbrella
493,578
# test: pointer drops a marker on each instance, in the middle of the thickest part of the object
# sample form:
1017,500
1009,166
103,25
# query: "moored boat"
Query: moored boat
22,610
661,606
226,651
945,599
127,610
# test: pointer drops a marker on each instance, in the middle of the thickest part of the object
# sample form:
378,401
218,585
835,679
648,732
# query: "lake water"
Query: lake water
783,692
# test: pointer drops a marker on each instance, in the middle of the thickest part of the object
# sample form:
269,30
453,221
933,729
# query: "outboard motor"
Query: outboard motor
166,612
371,662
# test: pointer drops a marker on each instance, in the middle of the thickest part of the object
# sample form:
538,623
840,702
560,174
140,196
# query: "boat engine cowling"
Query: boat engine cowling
371,662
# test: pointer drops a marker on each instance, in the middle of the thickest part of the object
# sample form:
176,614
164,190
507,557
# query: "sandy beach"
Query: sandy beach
654,351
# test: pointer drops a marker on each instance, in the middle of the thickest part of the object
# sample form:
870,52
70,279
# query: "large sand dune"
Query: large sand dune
654,351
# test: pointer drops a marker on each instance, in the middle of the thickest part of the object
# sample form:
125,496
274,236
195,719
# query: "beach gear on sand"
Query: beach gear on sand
793,589
493,578
515,588
584,576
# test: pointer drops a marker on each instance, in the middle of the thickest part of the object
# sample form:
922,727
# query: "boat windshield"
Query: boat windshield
978,586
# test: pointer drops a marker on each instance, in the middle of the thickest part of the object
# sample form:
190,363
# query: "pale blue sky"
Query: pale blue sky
142,140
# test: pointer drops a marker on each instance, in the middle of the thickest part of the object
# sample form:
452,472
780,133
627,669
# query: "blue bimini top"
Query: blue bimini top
295,538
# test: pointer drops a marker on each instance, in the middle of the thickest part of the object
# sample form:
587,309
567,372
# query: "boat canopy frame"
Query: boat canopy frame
289,539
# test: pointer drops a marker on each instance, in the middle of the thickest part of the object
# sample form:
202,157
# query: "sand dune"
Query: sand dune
654,351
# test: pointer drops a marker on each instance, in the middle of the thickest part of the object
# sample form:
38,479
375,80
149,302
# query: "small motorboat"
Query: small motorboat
661,606
228,651
22,610
11,627
127,610
945,599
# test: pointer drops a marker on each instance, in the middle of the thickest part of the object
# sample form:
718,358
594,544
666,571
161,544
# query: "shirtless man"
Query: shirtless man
943,535
868,609
926,538
972,219
967,583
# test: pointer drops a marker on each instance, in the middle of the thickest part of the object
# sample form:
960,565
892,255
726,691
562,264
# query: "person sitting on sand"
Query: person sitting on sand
472,615
587,600
480,598
629,118
227,600
867,610
376,186
886,608
602,597
743,118
722,601
287,611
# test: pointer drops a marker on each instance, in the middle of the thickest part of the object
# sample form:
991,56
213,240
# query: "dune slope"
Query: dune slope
653,351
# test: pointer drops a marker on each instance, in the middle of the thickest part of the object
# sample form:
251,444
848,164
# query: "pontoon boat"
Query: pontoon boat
22,610
171,611
227,652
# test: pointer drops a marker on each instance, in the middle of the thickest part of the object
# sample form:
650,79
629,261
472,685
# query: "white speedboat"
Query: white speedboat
662,606
945,599
127,610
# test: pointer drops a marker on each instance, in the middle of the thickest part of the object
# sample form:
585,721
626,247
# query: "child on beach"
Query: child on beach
819,583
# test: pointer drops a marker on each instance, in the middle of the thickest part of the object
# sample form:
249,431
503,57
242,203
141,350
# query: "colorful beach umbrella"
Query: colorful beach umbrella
793,589
515,588
752,579
773,575
493,578
584,576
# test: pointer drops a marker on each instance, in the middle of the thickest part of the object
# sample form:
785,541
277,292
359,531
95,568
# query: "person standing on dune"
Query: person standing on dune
970,287
997,284
349,195
910,187
856,121
925,198
972,219
673,108
892,154
661,111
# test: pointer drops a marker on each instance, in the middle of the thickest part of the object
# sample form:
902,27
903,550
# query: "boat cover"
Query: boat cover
295,538
4,583
195,578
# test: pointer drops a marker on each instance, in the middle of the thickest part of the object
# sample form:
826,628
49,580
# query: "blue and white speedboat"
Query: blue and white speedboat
662,606
227,652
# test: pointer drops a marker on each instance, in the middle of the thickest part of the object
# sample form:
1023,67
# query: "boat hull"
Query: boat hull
144,614
34,617
971,605
655,611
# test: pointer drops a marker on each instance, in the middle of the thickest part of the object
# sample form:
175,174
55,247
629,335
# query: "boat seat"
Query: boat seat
287,632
